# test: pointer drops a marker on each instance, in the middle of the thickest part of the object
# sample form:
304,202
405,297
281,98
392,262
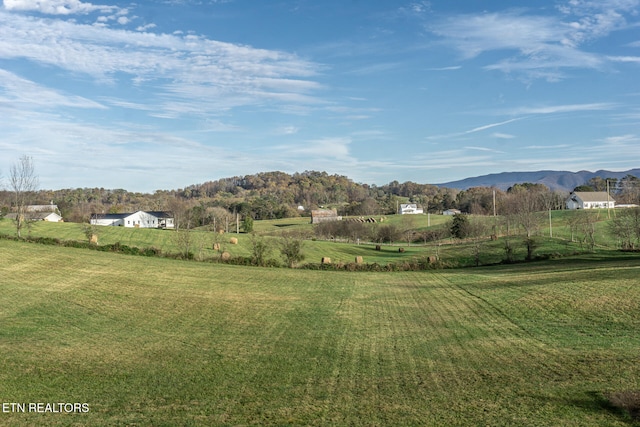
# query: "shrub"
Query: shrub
151,251
628,401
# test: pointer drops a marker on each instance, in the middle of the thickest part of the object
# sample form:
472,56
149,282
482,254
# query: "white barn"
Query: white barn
139,219
590,200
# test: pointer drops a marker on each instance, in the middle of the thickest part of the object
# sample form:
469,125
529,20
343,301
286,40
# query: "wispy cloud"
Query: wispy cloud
492,125
331,147
538,46
486,149
17,91
58,7
474,130
452,68
502,135
635,59
570,108
189,73
287,130
622,139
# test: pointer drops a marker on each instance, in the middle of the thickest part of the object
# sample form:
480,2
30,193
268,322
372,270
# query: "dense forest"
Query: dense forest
273,195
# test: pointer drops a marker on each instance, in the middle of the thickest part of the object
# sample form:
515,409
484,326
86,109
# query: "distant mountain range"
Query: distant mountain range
555,180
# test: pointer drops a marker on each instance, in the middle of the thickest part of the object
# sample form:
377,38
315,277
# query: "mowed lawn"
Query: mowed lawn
153,341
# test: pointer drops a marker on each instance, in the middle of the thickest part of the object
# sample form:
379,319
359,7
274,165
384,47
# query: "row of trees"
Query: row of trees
274,195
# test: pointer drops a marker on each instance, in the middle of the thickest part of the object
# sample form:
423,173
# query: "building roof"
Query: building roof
160,214
324,212
594,196
42,208
110,216
157,214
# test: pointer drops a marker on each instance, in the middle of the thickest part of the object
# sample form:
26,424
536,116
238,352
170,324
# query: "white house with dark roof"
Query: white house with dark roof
139,219
590,200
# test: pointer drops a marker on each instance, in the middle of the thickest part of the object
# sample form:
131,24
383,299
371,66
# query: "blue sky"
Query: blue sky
163,94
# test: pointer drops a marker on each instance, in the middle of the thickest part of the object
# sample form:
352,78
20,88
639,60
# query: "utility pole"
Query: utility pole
494,203
608,202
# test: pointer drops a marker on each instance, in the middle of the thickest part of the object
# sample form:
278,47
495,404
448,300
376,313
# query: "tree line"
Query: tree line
276,195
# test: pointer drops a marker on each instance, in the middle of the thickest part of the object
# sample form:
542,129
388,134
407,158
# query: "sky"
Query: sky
165,94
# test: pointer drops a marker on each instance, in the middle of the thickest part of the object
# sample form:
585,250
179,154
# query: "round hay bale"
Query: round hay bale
233,241
225,256
359,260
326,260
221,231
216,246
432,259
401,250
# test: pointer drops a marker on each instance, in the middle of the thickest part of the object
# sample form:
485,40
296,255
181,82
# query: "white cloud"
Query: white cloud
287,130
331,147
570,108
145,27
190,74
452,68
57,7
474,130
622,139
635,59
540,45
502,135
17,91
492,125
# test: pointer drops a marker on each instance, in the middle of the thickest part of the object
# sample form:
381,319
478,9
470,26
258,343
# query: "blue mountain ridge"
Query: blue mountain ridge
555,180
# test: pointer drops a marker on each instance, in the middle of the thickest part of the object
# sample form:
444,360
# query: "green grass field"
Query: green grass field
458,254
160,342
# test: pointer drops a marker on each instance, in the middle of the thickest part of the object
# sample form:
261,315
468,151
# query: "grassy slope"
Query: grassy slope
491,252
150,341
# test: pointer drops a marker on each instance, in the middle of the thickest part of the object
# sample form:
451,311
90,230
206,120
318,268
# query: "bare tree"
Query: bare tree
23,182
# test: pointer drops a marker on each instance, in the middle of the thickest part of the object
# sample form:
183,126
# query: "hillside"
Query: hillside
555,180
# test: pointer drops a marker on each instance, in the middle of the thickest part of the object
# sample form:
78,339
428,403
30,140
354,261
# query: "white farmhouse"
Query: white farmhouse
139,219
590,200
409,209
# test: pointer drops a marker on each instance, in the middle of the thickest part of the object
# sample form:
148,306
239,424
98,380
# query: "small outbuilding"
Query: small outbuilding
451,212
324,215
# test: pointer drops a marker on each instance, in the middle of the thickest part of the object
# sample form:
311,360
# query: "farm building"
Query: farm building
38,216
409,209
589,200
324,215
140,219
45,216
48,213
451,212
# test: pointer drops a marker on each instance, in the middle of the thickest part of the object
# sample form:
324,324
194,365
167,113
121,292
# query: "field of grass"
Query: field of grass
155,341
202,241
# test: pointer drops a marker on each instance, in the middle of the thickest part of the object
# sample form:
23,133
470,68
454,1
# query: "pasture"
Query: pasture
450,251
155,341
